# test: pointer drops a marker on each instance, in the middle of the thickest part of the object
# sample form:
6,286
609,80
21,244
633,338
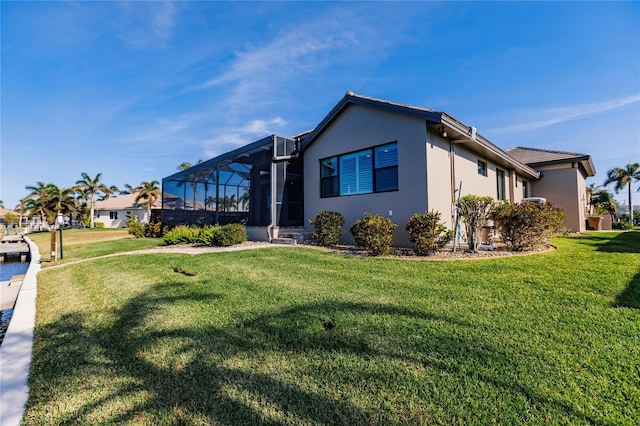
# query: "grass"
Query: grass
302,336
89,243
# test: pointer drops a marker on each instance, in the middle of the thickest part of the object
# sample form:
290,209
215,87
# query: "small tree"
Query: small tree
475,212
373,233
427,233
327,227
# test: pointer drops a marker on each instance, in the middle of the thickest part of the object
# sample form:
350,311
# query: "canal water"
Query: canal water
8,270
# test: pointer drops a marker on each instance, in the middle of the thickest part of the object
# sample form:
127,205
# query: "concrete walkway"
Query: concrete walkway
17,346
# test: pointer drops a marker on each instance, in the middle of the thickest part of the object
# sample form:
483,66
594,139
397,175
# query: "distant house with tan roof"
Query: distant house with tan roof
113,211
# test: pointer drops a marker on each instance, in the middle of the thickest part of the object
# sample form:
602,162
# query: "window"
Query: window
500,178
525,189
482,168
113,215
362,172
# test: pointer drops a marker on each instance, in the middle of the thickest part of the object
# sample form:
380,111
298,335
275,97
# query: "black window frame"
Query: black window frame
332,189
501,185
485,167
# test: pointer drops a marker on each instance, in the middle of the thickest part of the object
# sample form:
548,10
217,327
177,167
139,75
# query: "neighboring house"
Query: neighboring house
562,180
113,211
370,155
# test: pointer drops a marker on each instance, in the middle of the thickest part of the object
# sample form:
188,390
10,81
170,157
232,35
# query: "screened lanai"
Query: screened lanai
236,187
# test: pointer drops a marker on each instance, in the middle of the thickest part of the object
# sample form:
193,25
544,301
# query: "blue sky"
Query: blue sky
133,89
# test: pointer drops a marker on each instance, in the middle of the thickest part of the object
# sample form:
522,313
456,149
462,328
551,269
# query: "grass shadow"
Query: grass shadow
630,296
204,387
623,242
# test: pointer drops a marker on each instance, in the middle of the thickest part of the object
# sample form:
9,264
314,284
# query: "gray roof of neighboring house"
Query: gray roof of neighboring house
457,131
122,202
536,157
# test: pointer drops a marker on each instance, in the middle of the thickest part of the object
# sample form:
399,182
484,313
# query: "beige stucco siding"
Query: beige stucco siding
564,186
360,127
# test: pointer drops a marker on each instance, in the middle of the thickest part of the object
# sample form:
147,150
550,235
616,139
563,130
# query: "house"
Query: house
370,155
562,180
113,211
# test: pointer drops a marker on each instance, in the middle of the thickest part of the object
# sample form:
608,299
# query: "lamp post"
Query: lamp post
60,224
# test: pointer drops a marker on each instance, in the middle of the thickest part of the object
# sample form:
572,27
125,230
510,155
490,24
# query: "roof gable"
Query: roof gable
536,157
458,132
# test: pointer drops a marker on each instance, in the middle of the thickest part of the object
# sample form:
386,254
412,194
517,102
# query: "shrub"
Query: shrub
181,235
526,226
625,226
136,229
475,212
154,229
327,227
232,233
373,233
209,236
99,225
427,233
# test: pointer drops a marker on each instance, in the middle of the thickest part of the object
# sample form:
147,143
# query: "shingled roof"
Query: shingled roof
536,157
123,202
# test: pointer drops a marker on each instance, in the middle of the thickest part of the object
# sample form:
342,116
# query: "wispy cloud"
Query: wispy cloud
541,118
231,137
258,75
146,24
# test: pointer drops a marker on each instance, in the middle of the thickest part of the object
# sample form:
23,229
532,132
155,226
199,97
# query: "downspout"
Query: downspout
274,183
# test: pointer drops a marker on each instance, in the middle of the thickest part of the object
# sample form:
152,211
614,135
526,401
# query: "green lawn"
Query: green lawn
302,336
88,243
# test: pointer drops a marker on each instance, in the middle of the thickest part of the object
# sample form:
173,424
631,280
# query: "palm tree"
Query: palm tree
38,198
21,208
128,189
624,177
591,190
92,187
604,202
150,192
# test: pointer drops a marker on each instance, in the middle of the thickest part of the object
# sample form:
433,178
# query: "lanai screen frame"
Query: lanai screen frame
194,195
226,175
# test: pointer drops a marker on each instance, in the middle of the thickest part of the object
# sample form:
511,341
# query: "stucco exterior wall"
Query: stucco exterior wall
102,216
564,186
360,127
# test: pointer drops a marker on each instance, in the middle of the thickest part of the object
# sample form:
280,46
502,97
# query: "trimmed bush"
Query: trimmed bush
373,233
232,233
475,212
181,235
136,229
625,226
527,226
209,236
327,227
153,230
427,233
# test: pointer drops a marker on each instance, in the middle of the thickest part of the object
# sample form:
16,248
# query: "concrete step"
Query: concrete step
287,241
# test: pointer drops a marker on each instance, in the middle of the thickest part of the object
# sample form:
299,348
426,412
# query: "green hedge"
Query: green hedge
327,227
373,233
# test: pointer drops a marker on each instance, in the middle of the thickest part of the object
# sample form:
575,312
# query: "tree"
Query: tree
149,192
1,204
128,189
475,211
92,188
591,190
21,208
37,199
186,165
603,202
624,177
